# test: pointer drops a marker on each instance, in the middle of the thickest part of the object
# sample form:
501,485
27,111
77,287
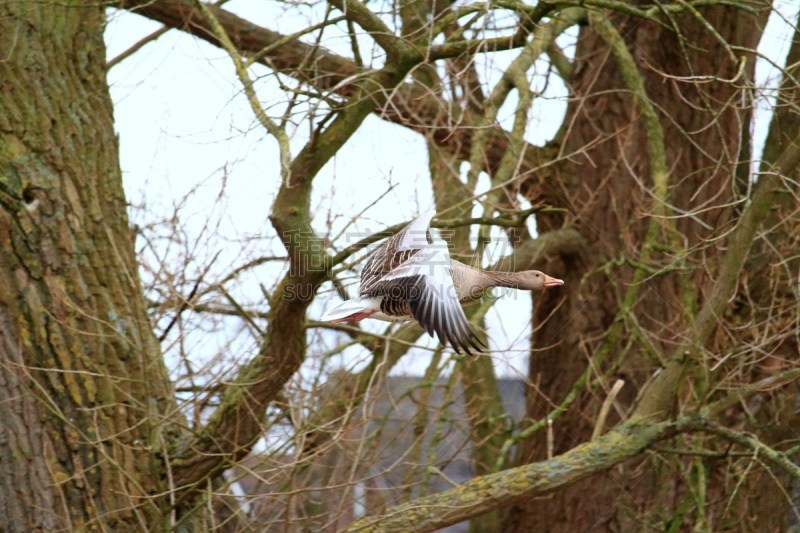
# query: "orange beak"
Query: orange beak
552,282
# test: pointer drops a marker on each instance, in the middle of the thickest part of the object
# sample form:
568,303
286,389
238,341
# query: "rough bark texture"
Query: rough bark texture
82,386
607,192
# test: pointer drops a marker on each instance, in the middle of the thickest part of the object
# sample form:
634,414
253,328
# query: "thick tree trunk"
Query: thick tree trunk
696,87
82,386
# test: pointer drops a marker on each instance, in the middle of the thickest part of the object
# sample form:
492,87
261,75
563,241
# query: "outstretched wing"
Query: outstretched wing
396,251
425,282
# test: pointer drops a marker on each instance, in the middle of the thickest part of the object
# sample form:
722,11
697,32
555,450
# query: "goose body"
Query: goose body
411,277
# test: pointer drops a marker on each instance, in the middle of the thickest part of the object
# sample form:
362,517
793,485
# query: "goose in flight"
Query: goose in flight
411,277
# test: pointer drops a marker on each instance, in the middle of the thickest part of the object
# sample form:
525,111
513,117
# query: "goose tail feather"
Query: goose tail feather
353,310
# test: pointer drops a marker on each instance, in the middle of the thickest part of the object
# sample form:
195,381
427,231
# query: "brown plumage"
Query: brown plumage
410,277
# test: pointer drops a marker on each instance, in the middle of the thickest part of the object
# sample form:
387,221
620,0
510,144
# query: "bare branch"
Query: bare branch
326,71
491,491
658,398
241,71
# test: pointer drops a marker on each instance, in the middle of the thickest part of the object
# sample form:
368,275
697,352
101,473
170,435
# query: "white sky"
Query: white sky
185,128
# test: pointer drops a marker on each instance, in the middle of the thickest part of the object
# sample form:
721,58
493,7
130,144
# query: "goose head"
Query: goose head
534,280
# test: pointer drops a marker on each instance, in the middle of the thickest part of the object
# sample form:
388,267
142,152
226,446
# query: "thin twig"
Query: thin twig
601,418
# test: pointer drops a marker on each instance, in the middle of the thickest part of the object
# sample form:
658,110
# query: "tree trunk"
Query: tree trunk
608,194
82,385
